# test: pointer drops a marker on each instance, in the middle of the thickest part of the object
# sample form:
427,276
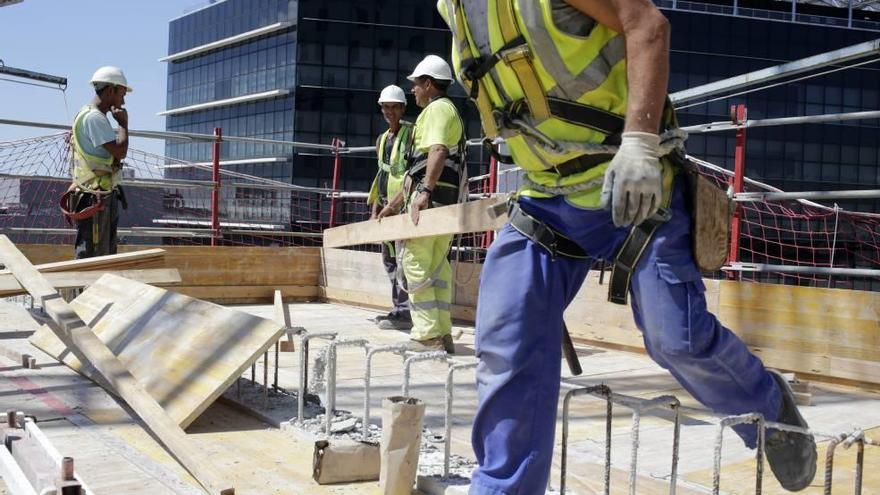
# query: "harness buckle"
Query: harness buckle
515,54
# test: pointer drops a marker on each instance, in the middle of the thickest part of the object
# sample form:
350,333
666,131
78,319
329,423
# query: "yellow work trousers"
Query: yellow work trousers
429,281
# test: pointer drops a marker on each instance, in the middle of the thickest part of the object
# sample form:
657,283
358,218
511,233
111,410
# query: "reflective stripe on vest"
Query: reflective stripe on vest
90,172
454,174
396,169
580,63
397,165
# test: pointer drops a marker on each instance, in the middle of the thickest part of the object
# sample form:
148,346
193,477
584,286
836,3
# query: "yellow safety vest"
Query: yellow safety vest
90,172
550,81
395,169
451,187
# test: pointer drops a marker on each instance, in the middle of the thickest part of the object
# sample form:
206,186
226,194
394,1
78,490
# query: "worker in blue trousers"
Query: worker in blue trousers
577,89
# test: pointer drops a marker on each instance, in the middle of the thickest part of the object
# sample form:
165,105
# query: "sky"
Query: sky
72,38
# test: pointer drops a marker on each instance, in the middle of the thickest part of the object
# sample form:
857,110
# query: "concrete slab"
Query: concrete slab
245,447
835,408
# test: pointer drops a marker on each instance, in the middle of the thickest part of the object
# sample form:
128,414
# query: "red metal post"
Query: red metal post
215,194
738,113
492,187
337,162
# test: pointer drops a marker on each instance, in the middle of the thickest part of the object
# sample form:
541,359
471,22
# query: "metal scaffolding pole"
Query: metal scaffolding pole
33,76
804,119
787,69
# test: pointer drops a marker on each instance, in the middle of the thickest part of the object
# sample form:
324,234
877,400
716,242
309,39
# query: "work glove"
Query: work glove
633,185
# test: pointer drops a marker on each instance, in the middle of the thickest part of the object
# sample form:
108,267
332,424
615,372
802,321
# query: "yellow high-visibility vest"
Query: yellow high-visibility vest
549,80
90,172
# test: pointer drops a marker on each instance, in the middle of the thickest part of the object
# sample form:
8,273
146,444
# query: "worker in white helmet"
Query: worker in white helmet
392,149
437,173
97,153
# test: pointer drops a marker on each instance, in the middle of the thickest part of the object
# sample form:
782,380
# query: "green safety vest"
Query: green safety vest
549,75
395,169
90,172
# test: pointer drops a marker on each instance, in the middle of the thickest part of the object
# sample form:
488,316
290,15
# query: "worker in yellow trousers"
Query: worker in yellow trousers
436,174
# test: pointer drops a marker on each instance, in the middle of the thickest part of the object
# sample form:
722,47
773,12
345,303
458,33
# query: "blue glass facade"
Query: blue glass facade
842,155
337,54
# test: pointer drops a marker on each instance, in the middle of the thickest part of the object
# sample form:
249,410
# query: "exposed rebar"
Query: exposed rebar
603,391
447,424
304,338
399,349
728,422
422,356
330,402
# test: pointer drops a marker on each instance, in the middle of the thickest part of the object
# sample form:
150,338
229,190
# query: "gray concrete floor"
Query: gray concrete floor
77,412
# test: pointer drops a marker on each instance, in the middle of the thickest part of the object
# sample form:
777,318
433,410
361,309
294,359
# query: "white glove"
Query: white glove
633,185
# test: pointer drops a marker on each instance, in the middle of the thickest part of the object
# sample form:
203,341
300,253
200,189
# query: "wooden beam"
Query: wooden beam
9,286
89,349
13,476
472,216
247,294
143,257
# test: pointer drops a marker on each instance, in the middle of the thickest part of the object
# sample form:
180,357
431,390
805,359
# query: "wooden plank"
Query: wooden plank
472,216
382,301
282,312
35,461
13,476
143,257
90,350
246,266
282,317
186,352
248,294
230,266
9,286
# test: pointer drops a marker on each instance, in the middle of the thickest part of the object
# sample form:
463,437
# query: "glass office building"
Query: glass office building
311,71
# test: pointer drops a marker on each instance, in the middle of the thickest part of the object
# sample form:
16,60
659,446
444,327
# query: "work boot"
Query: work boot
792,456
395,322
443,343
382,318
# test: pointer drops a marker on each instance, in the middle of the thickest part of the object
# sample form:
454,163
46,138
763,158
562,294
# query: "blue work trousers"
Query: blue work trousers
523,293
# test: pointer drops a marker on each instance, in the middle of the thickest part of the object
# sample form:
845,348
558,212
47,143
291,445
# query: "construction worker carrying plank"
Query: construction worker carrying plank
577,90
97,151
436,176
392,150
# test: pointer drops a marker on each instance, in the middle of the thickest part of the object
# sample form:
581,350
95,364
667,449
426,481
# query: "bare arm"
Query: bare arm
646,32
436,161
119,148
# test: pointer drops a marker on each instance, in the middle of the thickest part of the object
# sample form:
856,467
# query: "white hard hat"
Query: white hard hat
392,94
432,66
110,75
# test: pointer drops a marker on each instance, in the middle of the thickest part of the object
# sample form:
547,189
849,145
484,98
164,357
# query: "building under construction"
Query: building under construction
231,345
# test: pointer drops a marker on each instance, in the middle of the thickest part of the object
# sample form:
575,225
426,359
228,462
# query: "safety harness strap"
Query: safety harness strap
519,59
542,234
630,253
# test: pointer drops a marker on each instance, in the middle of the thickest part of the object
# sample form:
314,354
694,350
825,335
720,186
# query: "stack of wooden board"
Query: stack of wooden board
109,370
184,351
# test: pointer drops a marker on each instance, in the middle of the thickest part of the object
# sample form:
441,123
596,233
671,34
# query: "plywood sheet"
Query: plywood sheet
184,351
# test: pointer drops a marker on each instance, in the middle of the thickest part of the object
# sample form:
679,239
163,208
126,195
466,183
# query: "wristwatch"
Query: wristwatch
421,188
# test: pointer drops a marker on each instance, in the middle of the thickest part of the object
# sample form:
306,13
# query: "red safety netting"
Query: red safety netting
798,233
170,201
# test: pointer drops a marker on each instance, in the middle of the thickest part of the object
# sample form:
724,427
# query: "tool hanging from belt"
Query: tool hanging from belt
70,200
